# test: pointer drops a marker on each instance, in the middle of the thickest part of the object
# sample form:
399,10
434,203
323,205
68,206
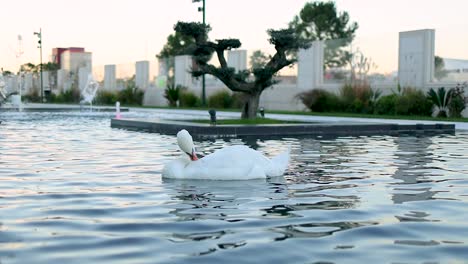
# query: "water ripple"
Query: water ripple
74,190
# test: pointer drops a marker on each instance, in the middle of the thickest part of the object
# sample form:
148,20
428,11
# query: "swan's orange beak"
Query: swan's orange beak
193,157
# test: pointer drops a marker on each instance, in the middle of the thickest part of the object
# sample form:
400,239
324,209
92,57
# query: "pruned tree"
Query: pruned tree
284,40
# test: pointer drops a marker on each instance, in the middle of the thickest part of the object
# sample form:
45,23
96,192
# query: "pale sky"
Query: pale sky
124,31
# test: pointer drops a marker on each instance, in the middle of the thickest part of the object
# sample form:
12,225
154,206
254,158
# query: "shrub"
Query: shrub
413,102
172,94
221,99
32,97
70,96
385,105
457,100
130,96
189,99
440,99
106,97
357,98
319,100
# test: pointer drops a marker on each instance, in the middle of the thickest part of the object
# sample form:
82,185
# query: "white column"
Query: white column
142,74
237,59
416,58
310,67
61,78
182,68
83,73
110,82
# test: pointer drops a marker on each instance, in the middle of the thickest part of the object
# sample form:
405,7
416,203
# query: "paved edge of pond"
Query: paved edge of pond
198,130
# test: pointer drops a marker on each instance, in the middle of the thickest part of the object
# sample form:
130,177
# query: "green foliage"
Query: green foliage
228,44
357,98
440,99
176,44
50,66
70,96
189,99
457,100
131,95
413,102
198,31
321,21
172,94
319,100
106,97
406,101
385,105
29,67
258,59
287,39
221,99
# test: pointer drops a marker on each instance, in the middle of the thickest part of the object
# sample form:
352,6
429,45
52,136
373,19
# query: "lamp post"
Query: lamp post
202,9
39,35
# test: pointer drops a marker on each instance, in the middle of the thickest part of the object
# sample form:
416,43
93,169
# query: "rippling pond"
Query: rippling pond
74,190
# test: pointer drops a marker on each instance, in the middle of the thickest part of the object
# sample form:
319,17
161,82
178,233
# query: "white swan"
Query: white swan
229,163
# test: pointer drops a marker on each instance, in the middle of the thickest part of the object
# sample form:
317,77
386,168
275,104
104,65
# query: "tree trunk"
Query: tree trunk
250,108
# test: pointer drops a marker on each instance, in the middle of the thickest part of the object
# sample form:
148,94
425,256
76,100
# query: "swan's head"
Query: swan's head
184,139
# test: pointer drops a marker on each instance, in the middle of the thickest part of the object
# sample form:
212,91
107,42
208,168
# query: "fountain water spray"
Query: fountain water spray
117,110
89,91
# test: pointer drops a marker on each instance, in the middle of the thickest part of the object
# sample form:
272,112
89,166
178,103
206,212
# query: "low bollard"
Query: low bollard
262,112
212,113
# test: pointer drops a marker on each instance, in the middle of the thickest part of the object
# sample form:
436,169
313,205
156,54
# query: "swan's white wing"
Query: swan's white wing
229,163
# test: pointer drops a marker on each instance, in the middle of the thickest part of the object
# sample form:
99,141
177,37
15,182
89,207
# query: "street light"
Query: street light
202,9
39,35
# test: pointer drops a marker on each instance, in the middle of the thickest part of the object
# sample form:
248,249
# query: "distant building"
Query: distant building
71,59
456,65
75,66
57,53
457,69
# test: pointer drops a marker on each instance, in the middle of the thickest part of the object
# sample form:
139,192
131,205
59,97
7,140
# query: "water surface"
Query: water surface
74,190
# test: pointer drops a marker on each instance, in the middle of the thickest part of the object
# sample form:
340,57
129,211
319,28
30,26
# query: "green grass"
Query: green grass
256,121
332,114
339,114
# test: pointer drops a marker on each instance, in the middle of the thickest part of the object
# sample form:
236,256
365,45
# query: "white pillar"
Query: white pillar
310,67
416,58
83,73
110,82
61,78
182,68
237,59
45,81
142,74
28,83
